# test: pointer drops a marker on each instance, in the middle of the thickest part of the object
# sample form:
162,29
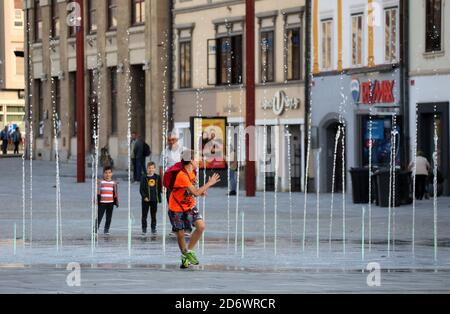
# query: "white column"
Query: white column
259,158
284,171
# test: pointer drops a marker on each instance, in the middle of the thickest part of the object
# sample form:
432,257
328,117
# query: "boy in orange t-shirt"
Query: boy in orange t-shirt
183,212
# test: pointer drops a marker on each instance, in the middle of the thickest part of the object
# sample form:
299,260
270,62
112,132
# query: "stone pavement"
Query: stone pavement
39,267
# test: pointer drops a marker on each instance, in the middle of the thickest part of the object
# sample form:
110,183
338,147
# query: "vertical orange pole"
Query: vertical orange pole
315,29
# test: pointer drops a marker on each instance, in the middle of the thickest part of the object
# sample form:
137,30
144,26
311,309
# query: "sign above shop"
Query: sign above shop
280,102
373,92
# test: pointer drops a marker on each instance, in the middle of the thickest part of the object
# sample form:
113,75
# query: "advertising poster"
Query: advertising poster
209,141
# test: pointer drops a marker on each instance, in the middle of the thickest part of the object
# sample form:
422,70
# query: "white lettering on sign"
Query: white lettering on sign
280,102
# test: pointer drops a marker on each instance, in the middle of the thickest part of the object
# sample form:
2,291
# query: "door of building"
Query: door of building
335,156
138,100
296,160
428,119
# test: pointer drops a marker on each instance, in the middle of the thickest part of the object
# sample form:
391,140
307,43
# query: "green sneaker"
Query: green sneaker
184,262
192,258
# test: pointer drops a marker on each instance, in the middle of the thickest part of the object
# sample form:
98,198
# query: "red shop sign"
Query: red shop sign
373,92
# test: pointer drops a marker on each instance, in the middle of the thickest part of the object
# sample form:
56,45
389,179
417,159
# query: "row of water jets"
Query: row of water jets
239,212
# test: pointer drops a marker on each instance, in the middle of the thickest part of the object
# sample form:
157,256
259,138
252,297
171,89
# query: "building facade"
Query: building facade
12,102
121,36
209,72
357,86
429,80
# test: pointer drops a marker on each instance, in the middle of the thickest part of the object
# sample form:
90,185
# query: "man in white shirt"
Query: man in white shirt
172,154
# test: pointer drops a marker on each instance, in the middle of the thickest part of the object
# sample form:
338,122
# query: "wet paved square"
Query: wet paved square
226,268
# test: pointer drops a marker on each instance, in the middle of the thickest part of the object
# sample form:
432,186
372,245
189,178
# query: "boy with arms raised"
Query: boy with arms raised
183,212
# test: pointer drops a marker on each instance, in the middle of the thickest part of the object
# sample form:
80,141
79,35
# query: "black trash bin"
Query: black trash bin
382,181
360,185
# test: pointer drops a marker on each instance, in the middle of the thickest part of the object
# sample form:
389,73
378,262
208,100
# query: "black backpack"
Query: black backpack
147,150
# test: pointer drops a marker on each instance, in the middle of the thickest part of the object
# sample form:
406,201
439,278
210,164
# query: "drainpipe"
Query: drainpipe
308,70
27,80
404,78
170,63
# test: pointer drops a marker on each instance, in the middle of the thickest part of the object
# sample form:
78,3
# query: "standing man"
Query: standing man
171,155
4,137
139,155
17,139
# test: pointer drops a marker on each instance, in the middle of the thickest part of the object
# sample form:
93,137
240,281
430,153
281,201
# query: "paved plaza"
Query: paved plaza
37,266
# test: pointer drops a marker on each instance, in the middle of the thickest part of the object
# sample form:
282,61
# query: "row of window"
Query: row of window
433,35
225,60
391,39
137,17
93,100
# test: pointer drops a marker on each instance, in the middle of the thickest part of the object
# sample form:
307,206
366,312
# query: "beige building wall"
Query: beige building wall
429,86
125,47
11,66
203,20
428,63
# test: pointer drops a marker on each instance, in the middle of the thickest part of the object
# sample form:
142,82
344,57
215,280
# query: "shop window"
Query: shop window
357,39
391,37
185,64
55,24
379,129
327,37
267,56
92,23
433,25
228,60
293,54
137,12
37,21
112,14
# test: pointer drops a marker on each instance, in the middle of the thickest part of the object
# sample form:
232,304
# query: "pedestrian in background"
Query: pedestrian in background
423,169
17,139
171,155
141,152
4,137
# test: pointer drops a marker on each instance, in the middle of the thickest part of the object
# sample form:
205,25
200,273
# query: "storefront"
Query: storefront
279,137
376,98
349,112
430,95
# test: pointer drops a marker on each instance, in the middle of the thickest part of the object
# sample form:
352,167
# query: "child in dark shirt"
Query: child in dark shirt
150,189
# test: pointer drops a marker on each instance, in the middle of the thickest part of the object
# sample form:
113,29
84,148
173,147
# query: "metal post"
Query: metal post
250,96
81,140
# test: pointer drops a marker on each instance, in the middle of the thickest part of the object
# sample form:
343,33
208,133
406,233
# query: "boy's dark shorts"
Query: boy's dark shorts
184,221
